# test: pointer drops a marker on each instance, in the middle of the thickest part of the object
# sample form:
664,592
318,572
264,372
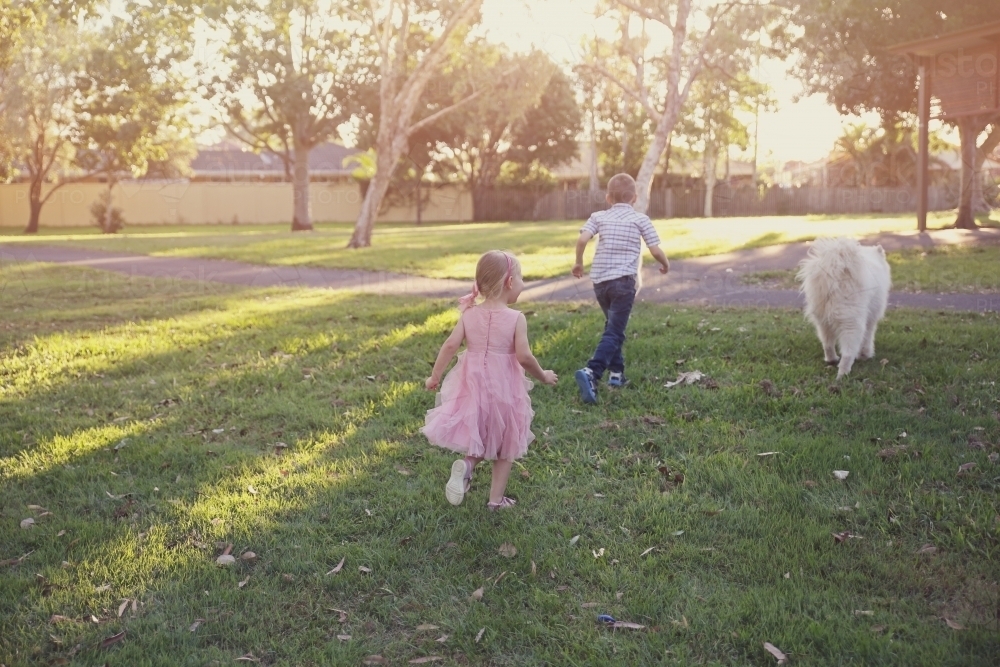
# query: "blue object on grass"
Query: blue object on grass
604,618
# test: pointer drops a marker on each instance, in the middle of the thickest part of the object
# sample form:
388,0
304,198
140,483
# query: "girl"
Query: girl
483,410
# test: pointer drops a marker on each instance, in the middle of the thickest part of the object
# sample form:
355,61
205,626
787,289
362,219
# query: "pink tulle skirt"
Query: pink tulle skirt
483,409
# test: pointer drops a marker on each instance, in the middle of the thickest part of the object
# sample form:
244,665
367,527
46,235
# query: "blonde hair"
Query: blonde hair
621,189
492,271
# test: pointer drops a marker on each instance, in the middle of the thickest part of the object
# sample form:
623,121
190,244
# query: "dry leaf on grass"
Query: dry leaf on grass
588,605
966,467
768,453
776,652
337,568
927,549
249,657
576,538
534,569
197,622
627,626
844,536
953,625
253,491
689,377
364,570
27,523
225,559
649,550
599,553
479,635
376,660
217,521
113,639
248,556
426,626
477,594
425,659
863,612
56,618
243,583
102,588
507,550
344,638
442,639
122,607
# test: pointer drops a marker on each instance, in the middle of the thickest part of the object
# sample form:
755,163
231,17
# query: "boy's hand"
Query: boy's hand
664,268
550,377
431,383
578,270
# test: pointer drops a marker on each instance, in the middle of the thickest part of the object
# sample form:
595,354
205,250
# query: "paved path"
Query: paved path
713,280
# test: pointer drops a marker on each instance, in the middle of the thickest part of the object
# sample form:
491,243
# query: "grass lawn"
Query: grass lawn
451,250
141,423
967,269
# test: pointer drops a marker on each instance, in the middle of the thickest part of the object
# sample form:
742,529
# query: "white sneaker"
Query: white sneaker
454,490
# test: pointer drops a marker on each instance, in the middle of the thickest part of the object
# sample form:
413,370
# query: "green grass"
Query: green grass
452,250
140,418
964,269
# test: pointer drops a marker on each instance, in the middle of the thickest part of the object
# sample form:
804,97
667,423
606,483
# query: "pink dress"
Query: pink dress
483,409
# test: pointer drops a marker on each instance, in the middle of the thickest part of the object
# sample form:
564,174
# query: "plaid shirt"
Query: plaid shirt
618,247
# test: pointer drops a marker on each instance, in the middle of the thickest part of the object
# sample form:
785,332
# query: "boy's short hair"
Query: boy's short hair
621,189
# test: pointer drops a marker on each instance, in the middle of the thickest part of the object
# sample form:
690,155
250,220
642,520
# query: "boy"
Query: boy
614,272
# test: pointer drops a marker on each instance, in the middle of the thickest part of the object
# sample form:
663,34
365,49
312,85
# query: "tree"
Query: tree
528,121
412,38
698,32
40,115
131,99
843,53
289,84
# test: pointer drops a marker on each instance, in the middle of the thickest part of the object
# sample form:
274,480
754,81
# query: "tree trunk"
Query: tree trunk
35,207
664,128
968,130
387,157
301,217
711,160
979,203
595,183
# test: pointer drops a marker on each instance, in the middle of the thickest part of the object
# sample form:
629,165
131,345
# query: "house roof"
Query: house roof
232,160
983,35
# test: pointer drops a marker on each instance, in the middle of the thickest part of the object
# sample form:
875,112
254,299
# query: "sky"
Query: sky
798,130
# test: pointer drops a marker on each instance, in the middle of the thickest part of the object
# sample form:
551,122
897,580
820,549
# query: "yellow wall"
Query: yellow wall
181,202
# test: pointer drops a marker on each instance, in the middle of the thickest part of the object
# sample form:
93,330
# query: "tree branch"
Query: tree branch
645,13
421,124
644,101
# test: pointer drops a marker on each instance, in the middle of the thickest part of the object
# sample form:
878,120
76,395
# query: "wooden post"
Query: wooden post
924,104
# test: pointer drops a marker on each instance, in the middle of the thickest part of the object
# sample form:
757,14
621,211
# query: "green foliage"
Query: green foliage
141,419
110,222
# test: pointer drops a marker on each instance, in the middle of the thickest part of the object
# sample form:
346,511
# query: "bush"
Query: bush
99,212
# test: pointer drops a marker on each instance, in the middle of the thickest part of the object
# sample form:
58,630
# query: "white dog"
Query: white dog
846,286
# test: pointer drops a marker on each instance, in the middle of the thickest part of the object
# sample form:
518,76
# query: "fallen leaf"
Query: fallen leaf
678,533
197,622
442,639
248,556
402,471
507,550
627,625
966,467
618,595
576,538
426,659
502,575
768,453
650,549
598,495
776,652
336,569
249,657
477,594
217,522
841,474
927,549
225,559
102,588
426,626
525,474
375,660
653,420
689,377
364,570
953,625
841,537
588,605
60,533
534,570
27,523
863,612
288,577
479,635
344,638
994,457
35,508
56,618
599,553
113,639
122,607
243,583
252,490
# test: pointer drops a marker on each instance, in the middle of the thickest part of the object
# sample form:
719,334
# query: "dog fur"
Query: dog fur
846,287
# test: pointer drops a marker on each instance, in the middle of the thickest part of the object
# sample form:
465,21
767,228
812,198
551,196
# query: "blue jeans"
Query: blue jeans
615,297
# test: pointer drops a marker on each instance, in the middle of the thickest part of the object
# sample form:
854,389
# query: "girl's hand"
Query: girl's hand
550,378
431,383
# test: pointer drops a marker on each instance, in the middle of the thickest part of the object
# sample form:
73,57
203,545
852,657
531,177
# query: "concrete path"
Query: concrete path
713,280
